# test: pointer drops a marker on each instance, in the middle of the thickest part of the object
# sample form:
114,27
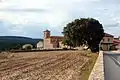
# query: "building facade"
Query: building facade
107,42
51,42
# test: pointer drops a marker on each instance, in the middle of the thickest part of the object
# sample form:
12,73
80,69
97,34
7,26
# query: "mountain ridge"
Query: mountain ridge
16,42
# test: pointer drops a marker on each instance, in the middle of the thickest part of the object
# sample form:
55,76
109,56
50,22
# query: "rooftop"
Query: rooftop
47,30
56,36
116,42
108,35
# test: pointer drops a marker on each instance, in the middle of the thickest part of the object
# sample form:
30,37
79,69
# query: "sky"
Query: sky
30,18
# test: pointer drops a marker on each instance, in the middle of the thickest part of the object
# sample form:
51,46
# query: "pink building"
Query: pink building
107,42
51,42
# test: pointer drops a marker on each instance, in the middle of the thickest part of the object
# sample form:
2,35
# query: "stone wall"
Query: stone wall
98,69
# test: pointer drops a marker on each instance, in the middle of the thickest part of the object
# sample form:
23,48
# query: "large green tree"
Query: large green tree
84,31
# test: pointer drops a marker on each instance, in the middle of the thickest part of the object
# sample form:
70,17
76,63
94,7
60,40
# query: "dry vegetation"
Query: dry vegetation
52,65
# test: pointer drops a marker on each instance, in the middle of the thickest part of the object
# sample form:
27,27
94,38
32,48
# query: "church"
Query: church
52,42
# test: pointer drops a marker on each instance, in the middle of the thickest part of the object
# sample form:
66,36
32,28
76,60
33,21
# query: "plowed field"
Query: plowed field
52,65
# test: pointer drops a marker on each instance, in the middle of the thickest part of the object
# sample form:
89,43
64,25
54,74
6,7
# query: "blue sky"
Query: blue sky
31,17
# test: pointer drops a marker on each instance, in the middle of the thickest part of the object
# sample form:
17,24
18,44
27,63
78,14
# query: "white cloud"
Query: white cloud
29,12
56,13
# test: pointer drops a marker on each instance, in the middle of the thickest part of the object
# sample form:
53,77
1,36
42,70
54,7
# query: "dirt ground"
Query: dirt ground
52,65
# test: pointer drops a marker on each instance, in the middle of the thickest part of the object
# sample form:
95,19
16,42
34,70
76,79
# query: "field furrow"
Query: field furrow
43,66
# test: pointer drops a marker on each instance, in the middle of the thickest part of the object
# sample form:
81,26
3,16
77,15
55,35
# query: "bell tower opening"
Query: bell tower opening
46,34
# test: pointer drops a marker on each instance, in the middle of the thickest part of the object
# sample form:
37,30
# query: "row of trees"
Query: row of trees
84,31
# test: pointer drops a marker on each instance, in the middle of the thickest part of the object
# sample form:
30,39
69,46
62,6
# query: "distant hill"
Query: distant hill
15,42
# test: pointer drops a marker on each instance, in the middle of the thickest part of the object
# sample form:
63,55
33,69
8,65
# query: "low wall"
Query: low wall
16,51
98,69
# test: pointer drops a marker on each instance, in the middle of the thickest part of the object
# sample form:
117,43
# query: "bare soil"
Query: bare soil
52,65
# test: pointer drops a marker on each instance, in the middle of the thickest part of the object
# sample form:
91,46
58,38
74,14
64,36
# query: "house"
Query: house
107,42
40,45
51,42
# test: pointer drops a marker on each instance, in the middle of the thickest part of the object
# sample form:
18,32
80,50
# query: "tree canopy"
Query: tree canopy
84,31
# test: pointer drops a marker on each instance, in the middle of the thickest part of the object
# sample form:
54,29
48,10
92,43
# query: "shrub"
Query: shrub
27,47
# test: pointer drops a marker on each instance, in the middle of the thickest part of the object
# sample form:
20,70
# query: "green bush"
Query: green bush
27,47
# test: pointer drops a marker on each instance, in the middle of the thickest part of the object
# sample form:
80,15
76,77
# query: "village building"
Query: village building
107,42
51,42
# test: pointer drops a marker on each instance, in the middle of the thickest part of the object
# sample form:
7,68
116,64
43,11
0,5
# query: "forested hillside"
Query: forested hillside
16,42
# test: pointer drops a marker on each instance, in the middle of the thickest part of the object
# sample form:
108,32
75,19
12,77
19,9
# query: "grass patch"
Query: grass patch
87,68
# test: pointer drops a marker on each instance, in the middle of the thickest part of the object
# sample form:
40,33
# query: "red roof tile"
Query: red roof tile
116,41
56,36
